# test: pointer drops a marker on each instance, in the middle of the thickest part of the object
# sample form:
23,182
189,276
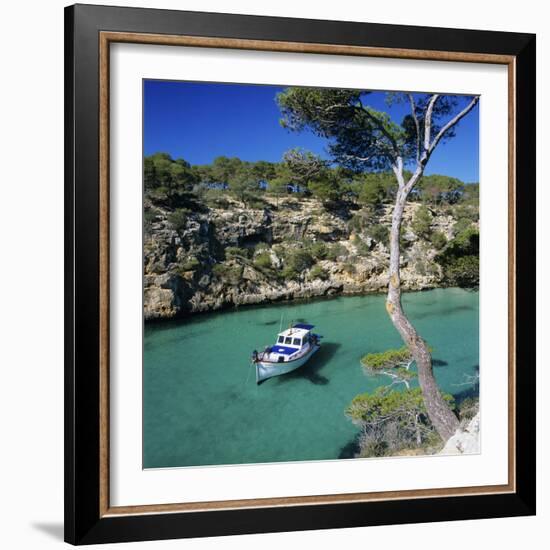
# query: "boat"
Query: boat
294,347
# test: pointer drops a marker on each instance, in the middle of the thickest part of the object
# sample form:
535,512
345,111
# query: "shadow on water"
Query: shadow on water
310,371
439,363
472,391
440,312
350,449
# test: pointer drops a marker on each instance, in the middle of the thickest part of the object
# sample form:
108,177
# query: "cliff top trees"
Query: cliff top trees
165,177
363,138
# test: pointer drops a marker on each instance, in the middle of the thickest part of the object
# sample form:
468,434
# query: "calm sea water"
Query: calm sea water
201,404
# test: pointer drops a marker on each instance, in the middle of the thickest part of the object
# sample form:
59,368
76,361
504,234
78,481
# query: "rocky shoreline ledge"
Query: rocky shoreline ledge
210,258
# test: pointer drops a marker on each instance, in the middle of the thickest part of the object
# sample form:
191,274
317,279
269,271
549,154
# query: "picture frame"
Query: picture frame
90,31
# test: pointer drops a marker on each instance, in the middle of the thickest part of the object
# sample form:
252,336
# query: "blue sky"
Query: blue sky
201,121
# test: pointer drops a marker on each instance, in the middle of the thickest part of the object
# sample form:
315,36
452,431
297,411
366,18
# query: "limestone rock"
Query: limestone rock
187,271
464,441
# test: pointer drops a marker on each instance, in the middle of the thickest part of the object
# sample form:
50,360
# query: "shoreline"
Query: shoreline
187,315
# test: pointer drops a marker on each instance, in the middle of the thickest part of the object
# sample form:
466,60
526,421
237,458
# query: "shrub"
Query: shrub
149,216
465,212
228,272
319,250
349,268
299,260
325,189
438,239
460,259
422,221
216,198
317,272
263,260
289,273
236,252
463,271
178,218
357,222
379,233
462,225
335,251
189,264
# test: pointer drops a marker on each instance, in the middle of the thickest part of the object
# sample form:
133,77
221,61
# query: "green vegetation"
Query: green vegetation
460,259
174,182
387,359
422,222
363,249
393,421
379,233
319,250
231,273
178,218
375,188
150,215
336,251
438,239
438,189
236,252
295,262
317,272
190,264
263,260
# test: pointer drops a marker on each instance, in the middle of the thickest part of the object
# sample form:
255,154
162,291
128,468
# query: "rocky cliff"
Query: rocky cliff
211,257
465,440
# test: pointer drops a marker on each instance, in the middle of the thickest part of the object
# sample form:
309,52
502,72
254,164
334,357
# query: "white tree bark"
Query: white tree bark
439,412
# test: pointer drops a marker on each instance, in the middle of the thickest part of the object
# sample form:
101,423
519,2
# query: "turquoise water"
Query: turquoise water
201,404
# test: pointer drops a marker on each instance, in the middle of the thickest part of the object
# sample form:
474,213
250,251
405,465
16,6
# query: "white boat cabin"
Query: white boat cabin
293,337
290,342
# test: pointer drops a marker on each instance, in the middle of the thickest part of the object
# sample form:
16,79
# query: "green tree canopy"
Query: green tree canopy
302,167
436,189
243,184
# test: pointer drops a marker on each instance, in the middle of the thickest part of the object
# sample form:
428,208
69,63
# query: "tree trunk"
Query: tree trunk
439,412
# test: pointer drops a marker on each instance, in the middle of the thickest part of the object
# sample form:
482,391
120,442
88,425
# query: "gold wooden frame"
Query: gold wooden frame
105,39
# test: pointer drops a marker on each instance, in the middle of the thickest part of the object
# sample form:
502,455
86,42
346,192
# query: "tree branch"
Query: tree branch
417,125
452,122
380,126
428,122
360,159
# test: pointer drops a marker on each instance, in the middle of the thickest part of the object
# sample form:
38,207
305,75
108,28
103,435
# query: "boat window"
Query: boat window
288,340
281,339
297,342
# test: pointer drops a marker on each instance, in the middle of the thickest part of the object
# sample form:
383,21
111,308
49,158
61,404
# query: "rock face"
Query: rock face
189,268
465,440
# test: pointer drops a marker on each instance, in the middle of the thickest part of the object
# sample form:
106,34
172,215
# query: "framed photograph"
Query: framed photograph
300,274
